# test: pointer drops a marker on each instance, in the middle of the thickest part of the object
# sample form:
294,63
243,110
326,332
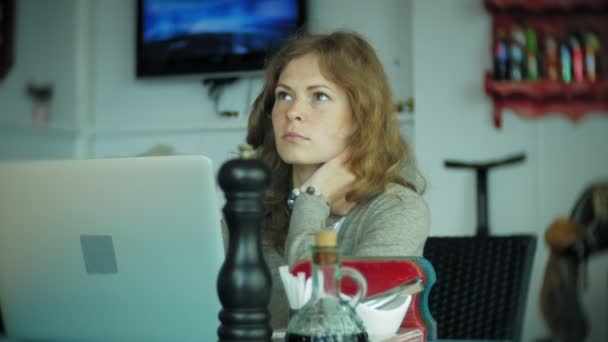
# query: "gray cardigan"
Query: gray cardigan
393,223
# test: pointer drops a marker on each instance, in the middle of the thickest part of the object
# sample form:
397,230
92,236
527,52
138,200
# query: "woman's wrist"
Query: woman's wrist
305,189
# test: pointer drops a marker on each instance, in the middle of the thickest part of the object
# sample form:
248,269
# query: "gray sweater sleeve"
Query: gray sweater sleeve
394,223
309,215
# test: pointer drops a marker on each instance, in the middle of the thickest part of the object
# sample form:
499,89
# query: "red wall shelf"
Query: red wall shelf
535,99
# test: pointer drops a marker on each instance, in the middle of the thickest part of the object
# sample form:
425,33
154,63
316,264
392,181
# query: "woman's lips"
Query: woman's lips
291,136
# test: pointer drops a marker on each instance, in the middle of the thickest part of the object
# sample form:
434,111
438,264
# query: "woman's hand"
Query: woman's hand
334,180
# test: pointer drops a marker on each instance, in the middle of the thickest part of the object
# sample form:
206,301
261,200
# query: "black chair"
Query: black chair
482,285
482,280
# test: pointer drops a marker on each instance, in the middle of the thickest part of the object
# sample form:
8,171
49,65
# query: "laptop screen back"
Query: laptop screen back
110,249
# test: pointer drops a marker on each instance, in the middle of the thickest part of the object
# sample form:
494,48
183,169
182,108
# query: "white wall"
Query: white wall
44,53
453,121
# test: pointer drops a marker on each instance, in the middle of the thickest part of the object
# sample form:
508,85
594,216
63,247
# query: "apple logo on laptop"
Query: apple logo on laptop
98,254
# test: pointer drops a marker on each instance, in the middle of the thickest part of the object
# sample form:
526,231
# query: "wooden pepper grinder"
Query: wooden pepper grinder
244,283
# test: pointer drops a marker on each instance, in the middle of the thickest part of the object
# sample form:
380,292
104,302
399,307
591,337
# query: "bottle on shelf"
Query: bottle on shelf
566,63
550,65
532,72
516,53
327,316
577,57
501,56
592,48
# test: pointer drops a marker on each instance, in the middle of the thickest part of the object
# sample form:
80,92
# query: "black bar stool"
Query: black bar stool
482,280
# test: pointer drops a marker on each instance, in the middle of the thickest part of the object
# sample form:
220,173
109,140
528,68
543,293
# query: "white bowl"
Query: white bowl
385,322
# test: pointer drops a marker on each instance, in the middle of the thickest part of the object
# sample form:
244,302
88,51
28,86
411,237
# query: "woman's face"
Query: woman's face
311,116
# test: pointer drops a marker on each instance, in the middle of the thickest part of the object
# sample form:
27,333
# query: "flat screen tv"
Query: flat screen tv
212,37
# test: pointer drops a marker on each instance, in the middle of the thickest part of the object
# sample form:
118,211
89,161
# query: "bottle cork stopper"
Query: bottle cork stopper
326,238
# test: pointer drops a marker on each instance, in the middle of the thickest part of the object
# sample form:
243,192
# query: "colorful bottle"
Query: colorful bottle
592,48
577,58
566,63
531,55
501,57
516,54
551,59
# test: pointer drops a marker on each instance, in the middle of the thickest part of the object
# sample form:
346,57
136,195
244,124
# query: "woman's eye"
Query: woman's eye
282,95
319,96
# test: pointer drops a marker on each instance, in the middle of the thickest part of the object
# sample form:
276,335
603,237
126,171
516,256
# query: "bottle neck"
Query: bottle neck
325,272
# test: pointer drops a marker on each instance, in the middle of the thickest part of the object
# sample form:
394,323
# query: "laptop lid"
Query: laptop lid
110,249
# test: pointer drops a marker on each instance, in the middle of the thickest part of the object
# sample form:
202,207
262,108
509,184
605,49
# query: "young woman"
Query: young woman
325,125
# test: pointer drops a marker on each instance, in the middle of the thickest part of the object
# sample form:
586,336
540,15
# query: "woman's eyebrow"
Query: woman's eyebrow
283,86
316,86
309,88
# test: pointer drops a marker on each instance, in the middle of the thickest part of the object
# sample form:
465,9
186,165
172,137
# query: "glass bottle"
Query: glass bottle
501,57
328,316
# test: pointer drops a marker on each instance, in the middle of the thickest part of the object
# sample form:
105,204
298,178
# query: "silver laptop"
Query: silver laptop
122,249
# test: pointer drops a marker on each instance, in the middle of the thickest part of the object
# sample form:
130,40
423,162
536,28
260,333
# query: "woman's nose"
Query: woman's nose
296,111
